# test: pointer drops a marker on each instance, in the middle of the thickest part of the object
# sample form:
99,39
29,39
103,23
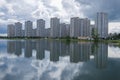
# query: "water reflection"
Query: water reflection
18,48
40,49
77,51
54,50
58,60
11,47
101,56
28,48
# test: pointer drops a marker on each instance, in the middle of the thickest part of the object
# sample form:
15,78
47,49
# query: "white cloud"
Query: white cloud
2,2
63,9
3,34
2,14
114,27
2,21
21,10
8,21
58,8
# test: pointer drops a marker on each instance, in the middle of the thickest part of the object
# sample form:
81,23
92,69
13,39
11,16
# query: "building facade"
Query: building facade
101,24
55,27
68,29
63,30
40,28
75,27
86,28
11,30
18,29
28,29
79,27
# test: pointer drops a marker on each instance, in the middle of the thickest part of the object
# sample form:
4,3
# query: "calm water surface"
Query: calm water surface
58,60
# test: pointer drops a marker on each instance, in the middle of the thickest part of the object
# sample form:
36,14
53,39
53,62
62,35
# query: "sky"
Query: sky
12,11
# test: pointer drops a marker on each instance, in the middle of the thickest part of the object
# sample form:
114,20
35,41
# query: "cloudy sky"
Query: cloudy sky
20,10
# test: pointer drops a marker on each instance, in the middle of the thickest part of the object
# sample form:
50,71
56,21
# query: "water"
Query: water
58,60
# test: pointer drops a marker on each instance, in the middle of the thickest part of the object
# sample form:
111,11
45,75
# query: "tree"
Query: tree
94,34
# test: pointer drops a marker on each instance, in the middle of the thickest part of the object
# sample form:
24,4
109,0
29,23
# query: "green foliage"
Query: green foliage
95,35
114,36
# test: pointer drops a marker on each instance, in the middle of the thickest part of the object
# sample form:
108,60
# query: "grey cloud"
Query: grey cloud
21,10
112,7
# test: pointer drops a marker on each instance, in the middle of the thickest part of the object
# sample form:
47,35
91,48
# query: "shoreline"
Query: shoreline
62,39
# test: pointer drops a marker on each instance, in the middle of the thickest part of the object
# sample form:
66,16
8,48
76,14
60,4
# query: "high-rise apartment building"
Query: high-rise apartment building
34,34
102,24
74,27
47,32
40,28
86,28
68,29
55,27
79,27
11,30
63,30
18,29
28,28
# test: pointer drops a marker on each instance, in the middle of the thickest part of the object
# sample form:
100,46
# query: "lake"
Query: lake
58,60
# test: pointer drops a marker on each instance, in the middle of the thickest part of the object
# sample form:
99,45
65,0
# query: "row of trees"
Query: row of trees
111,36
114,36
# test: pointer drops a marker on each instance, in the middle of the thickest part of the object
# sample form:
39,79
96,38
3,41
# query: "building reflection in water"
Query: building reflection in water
18,48
101,56
28,48
10,47
54,50
78,52
64,49
40,49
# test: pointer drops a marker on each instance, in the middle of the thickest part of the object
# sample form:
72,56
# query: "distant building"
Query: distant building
102,24
11,30
55,27
79,27
34,34
40,28
68,29
28,28
86,28
74,27
23,33
47,32
63,30
18,29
